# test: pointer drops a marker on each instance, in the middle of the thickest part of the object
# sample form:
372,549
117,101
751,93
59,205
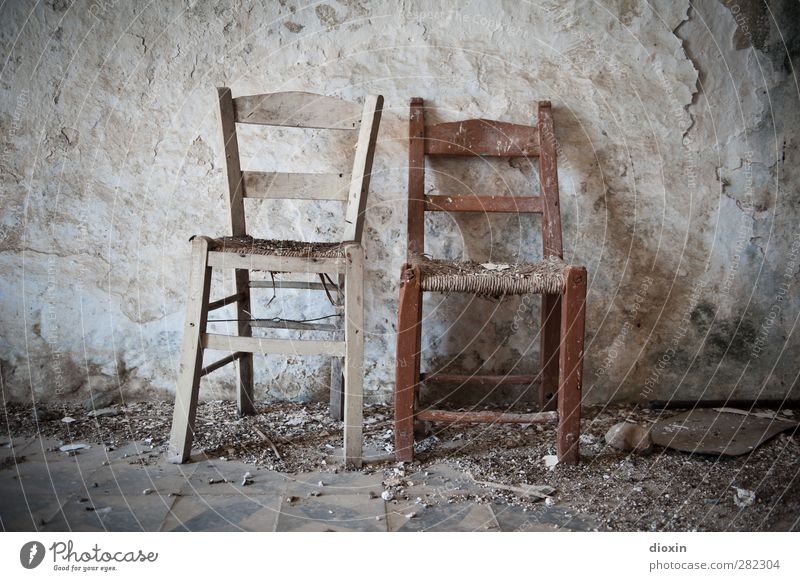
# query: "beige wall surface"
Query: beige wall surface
677,128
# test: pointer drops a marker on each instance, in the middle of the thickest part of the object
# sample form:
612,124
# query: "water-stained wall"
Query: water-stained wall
677,137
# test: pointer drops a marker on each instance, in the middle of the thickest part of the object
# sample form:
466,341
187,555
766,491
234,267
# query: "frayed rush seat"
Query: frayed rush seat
239,254
541,277
294,248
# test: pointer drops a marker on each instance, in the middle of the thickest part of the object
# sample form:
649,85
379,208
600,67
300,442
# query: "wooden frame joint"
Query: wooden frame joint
409,274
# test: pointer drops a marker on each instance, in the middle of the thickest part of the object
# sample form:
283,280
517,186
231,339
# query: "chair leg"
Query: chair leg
551,337
407,371
337,378
571,365
180,442
337,390
354,357
244,393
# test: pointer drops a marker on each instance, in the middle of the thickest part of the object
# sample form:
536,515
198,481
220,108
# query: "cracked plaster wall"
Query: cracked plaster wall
677,130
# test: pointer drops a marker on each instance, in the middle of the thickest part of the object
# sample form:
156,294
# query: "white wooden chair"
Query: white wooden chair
343,260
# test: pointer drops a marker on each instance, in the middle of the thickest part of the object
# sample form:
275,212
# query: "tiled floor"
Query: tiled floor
133,489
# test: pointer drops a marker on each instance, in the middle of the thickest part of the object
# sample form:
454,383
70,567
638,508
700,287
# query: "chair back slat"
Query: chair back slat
482,137
416,178
297,109
477,138
233,168
296,186
307,111
362,168
469,203
548,183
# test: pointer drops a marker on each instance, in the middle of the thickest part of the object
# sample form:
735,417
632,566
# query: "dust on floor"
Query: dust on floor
664,491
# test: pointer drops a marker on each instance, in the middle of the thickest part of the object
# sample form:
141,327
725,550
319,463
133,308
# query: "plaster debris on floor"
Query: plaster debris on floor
502,467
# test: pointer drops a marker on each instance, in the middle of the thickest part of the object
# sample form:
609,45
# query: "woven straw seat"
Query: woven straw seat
562,286
296,248
545,276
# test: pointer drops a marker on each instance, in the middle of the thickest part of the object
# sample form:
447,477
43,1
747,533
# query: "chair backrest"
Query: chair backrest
309,111
479,138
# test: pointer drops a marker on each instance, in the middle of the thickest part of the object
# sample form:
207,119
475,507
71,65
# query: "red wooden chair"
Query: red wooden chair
563,287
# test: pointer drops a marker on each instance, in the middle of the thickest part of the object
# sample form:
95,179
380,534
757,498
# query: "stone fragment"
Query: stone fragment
74,447
630,437
100,511
550,461
101,399
103,413
743,497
